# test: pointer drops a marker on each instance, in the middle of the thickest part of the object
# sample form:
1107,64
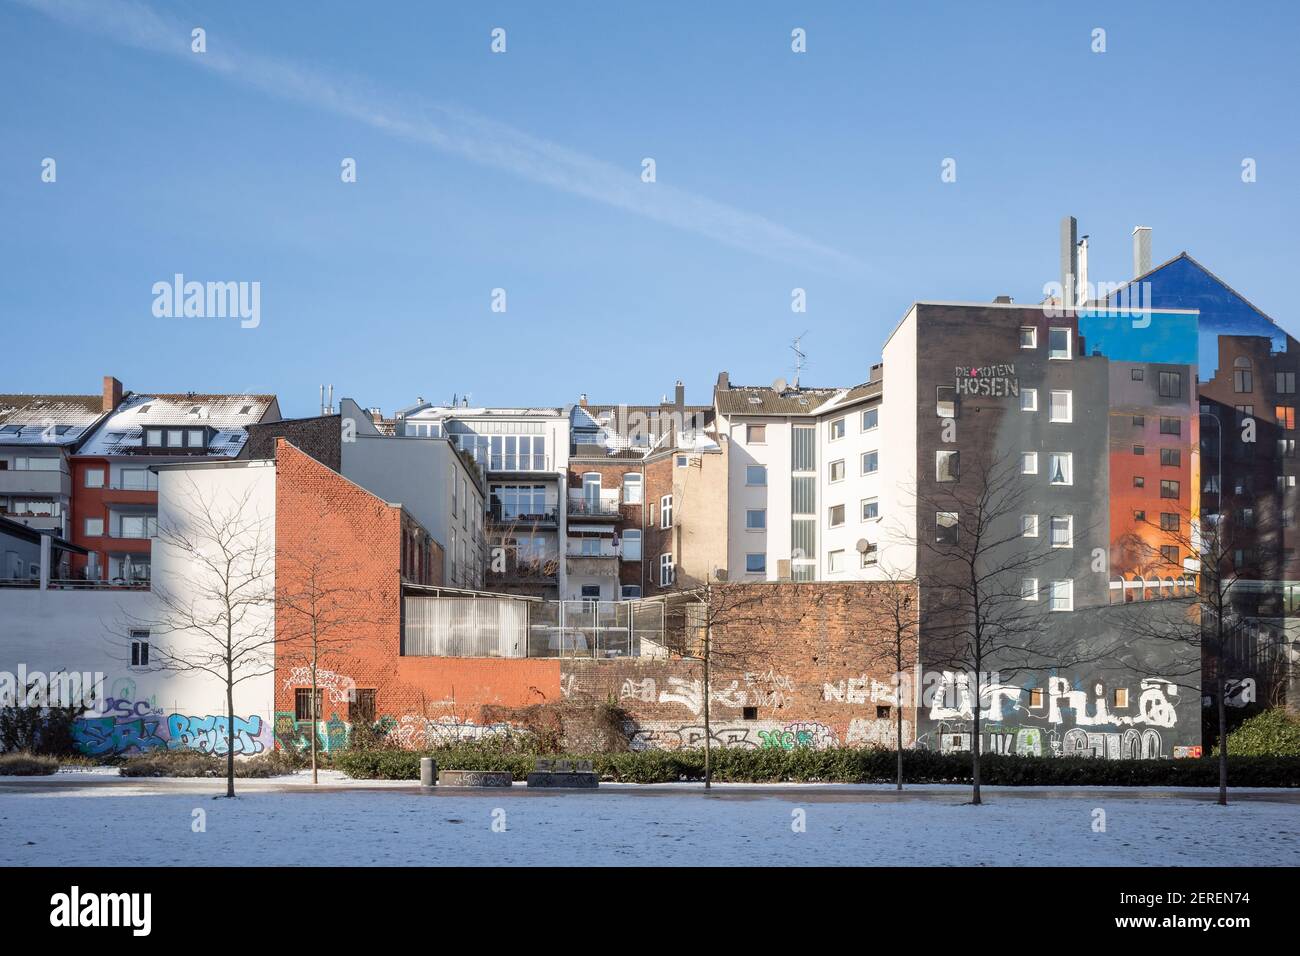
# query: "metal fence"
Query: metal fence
508,627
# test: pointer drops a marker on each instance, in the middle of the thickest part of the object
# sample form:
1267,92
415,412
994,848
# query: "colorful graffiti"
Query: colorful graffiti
132,727
750,735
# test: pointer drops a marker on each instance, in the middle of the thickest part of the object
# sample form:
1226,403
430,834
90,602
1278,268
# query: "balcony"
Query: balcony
592,506
37,522
24,482
506,517
604,565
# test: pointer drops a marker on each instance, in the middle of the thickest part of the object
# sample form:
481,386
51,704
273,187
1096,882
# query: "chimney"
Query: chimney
582,399
112,393
679,394
724,381
1003,300
1141,250
1069,260
1082,261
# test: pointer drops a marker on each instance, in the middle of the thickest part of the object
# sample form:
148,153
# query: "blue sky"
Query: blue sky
521,171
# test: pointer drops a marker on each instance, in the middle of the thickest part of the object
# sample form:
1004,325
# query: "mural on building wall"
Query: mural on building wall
128,726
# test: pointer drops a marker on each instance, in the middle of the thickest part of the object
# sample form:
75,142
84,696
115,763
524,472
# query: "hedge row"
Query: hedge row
840,765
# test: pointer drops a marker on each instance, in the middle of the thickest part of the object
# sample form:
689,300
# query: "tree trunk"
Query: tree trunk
975,751
898,727
708,730
230,725
1223,730
315,713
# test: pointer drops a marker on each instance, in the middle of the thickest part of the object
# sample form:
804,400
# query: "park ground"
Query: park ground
94,818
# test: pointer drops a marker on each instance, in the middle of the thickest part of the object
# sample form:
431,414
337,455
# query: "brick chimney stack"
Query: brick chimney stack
112,393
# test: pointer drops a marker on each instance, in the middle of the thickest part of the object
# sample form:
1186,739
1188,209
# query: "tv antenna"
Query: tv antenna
799,356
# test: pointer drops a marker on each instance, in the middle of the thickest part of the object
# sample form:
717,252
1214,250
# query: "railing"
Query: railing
76,584
497,514
510,627
606,506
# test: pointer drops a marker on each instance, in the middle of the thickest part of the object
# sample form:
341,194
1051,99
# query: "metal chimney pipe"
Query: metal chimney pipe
322,399
1069,260
1083,272
330,410
1141,250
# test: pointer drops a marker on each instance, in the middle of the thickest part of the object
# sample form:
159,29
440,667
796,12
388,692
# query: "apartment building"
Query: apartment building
115,486
804,480
645,509
522,454
38,434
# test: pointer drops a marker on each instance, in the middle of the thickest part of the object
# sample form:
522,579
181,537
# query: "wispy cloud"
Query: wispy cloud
448,129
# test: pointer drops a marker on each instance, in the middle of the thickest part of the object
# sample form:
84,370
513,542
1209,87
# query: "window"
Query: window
94,477
632,545
1171,456
756,475
1139,449
1058,343
1137,374
1035,697
835,516
302,704
683,461
870,462
137,479
867,556
1285,383
1060,469
870,509
1120,697
1286,448
1029,463
1139,481
835,561
836,429
1171,385
1171,426
749,713
154,437
1029,526
590,546
1139,421
631,592
633,490
1139,515
94,527
1029,589
666,511
1169,489
871,419
946,466
1029,399
1169,552
1028,337
756,519
945,401
1062,528
1062,408
1062,596
945,527
755,434
1168,522
138,526
756,564
195,438
837,470
175,438
139,648
1285,416
361,709
1242,381
665,570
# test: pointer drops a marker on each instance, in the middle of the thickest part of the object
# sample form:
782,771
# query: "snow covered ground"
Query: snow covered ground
97,820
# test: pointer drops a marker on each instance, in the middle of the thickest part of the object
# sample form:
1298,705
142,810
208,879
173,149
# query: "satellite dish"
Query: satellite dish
780,385
863,545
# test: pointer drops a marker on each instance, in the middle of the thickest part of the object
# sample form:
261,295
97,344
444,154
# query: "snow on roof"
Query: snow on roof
226,416
47,419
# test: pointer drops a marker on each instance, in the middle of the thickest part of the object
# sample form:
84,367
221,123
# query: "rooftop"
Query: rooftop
47,419
228,416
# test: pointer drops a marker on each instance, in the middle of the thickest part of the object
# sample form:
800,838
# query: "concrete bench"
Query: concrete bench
474,778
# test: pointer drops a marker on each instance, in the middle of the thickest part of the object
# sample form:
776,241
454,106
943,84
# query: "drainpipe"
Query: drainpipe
46,553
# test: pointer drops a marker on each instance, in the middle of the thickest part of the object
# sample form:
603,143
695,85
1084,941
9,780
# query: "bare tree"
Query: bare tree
1225,549
214,610
980,566
728,626
899,603
318,609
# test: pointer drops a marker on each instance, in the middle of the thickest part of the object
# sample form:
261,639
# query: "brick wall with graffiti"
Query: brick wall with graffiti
797,666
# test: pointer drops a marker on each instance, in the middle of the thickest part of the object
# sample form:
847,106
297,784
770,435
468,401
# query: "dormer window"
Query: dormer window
154,437
195,438
246,410
142,409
